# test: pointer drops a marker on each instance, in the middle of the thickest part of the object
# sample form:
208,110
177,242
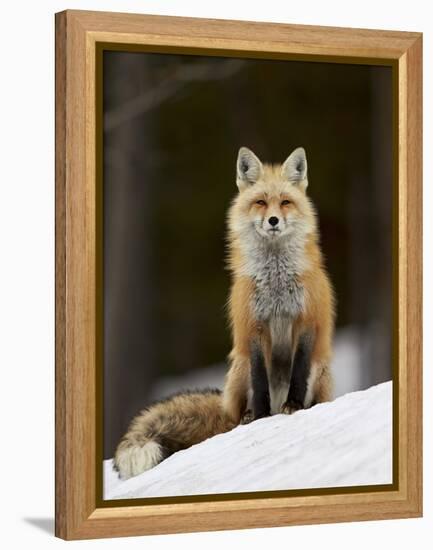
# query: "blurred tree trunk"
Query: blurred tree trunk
370,225
128,348
382,205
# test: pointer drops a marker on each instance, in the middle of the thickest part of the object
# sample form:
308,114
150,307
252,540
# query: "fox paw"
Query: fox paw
290,407
248,417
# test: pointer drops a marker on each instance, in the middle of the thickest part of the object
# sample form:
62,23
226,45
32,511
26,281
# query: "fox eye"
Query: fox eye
261,203
286,202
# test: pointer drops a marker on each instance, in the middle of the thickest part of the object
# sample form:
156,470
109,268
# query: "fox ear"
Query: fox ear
295,167
248,169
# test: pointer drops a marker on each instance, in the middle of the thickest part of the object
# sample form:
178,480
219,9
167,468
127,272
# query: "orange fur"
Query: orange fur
317,315
190,417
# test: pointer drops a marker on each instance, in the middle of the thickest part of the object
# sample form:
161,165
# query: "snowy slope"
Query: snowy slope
343,443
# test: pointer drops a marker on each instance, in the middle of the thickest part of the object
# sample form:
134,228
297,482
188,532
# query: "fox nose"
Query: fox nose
273,220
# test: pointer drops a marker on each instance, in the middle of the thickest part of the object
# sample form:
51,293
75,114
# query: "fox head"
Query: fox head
272,202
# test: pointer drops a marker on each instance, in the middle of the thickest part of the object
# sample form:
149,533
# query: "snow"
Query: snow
347,442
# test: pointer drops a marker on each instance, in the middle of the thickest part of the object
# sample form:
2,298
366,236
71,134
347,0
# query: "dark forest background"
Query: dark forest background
173,125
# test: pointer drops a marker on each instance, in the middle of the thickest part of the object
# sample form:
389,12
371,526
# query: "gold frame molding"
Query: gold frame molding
81,36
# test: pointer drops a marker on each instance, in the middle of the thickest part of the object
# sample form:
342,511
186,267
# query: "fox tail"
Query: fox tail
175,423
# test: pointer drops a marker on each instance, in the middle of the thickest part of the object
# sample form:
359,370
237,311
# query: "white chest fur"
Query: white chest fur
275,269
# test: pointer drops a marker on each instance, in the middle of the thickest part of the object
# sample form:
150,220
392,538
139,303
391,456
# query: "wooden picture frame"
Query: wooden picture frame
79,36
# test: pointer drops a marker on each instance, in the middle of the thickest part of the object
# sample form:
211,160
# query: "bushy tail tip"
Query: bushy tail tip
133,460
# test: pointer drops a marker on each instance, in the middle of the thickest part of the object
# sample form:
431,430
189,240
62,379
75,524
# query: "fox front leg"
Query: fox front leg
299,376
259,382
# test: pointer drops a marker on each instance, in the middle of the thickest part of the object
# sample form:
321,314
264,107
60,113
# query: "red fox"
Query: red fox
282,316
281,303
